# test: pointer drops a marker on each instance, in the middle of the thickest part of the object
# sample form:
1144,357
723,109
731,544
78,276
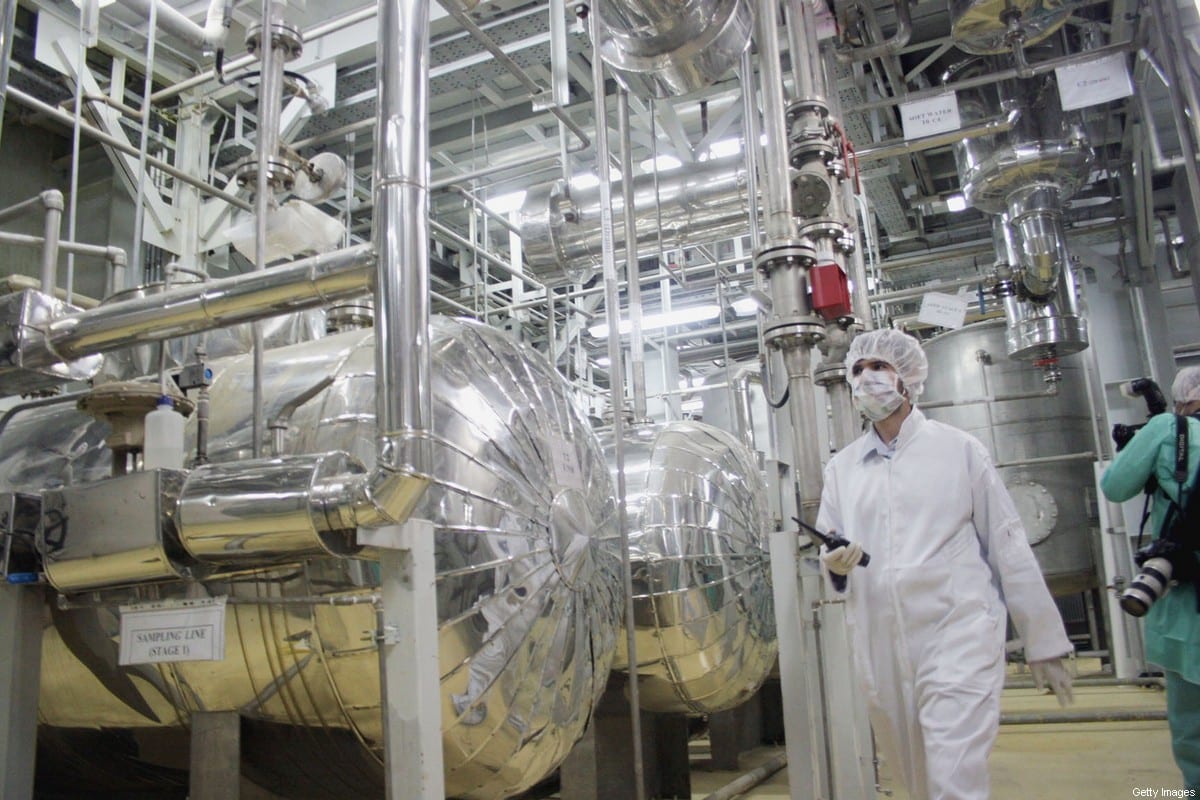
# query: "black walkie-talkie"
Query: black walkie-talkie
832,541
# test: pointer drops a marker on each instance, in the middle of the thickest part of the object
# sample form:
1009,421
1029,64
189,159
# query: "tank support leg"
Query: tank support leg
408,660
22,617
215,768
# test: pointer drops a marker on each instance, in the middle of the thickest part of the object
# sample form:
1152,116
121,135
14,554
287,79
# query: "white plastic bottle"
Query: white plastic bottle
164,437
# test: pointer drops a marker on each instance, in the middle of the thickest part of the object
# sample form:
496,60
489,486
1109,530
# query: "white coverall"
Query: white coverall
927,615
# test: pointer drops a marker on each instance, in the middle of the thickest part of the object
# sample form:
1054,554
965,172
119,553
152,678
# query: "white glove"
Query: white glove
841,560
1051,674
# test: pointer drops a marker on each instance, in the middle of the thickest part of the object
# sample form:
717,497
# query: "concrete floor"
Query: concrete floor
1032,762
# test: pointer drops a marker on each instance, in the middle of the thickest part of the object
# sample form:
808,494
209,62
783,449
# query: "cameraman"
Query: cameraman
1172,624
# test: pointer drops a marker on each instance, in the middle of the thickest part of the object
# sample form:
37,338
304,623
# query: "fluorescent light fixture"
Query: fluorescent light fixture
504,203
956,203
661,164
725,147
680,316
744,307
603,361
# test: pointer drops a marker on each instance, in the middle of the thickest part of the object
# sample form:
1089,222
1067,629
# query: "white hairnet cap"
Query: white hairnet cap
1186,388
896,348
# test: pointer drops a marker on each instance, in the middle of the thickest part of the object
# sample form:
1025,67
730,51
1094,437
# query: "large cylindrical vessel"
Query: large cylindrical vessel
696,511
528,587
1042,443
660,49
1046,147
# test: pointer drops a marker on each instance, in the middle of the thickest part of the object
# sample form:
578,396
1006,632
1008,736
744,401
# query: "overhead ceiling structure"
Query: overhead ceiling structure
511,104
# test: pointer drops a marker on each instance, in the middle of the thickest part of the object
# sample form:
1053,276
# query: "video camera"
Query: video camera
1156,403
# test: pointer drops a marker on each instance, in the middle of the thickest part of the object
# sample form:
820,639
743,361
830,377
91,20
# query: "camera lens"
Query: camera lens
1149,585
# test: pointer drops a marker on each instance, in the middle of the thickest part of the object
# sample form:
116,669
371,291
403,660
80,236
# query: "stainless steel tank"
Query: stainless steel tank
696,510
1046,147
1024,176
661,49
528,586
1054,495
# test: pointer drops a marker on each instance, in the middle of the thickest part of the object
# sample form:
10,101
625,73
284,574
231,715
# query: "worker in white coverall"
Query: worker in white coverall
948,554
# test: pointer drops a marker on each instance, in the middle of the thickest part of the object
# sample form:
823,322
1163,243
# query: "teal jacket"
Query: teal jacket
1173,624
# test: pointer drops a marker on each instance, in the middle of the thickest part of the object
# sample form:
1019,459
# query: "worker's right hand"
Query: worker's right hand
841,560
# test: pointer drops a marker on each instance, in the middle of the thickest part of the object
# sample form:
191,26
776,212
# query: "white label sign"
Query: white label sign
944,310
565,462
181,630
1093,82
933,115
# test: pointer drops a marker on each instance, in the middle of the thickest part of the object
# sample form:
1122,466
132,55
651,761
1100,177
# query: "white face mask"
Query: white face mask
877,393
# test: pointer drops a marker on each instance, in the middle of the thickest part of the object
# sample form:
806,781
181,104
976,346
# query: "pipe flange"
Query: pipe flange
790,252
829,374
286,37
825,228
281,173
797,331
807,150
806,105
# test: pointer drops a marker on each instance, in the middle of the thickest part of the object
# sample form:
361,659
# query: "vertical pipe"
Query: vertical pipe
53,224
807,67
612,307
270,100
632,272
139,218
403,366
775,162
750,117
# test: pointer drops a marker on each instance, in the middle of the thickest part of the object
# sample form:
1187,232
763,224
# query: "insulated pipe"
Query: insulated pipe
209,36
802,411
899,147
403,361
889,47
198,307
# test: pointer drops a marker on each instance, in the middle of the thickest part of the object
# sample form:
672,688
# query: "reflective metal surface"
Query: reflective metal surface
308,283
697,514
1046,146
528,596
560,231
118,531
658,48
263,510
969,363
142,359
23,317
981,26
